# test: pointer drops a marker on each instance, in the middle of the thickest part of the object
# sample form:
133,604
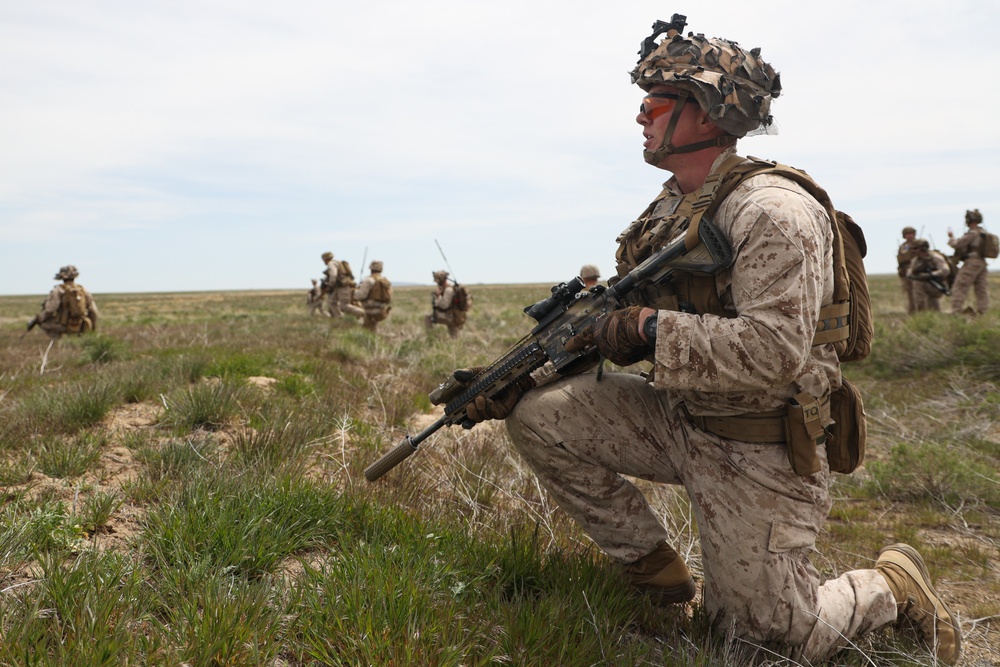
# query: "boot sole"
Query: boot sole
673,595
914,566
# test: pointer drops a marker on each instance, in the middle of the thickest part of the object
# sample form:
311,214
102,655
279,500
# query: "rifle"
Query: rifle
934,282
563,315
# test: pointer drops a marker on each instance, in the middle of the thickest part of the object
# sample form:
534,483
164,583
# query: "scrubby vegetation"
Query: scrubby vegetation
185,487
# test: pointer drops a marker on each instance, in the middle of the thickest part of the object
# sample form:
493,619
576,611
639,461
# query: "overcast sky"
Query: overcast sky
202,145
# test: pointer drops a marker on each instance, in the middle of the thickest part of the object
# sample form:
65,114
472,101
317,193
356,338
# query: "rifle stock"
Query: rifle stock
565,314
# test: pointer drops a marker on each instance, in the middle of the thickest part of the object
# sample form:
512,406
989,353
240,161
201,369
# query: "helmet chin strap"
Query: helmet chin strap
666,148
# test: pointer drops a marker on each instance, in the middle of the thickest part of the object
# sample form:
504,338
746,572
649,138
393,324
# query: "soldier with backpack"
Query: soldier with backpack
338,284
375,296
972,249
745,380
449,304
903,258
69,308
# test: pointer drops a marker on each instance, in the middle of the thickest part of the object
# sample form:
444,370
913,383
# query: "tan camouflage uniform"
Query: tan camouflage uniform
925,295
903,258
757,519
315,299
54,321
442,306
371,310
972,274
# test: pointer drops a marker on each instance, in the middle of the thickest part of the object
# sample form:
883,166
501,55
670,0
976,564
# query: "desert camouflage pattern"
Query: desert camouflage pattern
734,86
972,275
903,258
442,311
371,311
49,320
925,295
314,299
757,519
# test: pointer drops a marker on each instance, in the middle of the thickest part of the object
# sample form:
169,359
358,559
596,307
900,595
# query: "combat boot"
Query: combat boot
663,574
910,583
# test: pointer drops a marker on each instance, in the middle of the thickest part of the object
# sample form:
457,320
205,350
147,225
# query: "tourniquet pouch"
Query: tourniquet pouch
845,442
803,431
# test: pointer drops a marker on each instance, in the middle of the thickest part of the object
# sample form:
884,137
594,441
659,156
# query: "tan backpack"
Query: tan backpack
73,308
381,290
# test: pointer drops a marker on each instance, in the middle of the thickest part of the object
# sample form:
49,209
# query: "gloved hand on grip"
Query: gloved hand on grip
616,336
481,408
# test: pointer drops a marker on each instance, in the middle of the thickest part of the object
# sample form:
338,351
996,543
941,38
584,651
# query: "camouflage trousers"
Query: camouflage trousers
907,286
339,303
453,319
757,519
972,275
374,313
926,296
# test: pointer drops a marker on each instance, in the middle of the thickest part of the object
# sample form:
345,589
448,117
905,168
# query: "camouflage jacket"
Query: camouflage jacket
760,352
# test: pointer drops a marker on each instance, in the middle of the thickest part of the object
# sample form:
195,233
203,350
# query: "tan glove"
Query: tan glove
481,408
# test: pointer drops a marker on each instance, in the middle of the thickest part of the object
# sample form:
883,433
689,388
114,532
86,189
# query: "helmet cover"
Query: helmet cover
67,272
734,86
973,216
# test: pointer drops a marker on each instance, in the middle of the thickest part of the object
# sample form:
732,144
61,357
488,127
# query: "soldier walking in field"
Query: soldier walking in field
443,306
375,296
338,283
69,308
903,258
972,274
738,361
315,298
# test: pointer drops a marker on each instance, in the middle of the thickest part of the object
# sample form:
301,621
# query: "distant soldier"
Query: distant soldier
969,250
590,274
443,310
904,256
375,296
69,308
338,283
315,299
928,273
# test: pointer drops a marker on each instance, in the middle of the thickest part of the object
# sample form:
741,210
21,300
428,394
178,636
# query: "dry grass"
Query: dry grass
179,413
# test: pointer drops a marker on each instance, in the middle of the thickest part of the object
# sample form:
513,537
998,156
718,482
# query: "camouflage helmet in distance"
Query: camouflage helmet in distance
590,271
733,85
326,256
973,217
908,230
375,266
67,272
440,276
921,244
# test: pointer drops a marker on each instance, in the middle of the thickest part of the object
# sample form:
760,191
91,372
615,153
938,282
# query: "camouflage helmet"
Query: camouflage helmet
375,266
440,276
67,272
973,217
921,244
326,256
590,271
733,85
908,230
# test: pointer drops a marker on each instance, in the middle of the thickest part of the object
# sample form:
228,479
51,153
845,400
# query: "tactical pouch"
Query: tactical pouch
803,432
845,443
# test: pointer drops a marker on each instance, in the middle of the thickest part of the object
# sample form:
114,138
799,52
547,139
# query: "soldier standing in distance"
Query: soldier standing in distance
69,308
903,258
720,372
375,296
972,274
315,300
443,309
